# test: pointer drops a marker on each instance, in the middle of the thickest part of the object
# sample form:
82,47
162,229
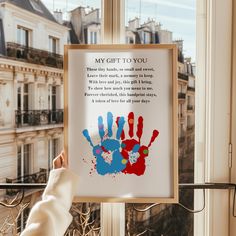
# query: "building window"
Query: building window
146,37
53,44
129,40
54,98
26,97
24,160
36,6
24,36
53,151
52,102
23,93
93,37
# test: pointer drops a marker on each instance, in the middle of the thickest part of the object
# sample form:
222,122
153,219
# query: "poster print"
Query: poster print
120,122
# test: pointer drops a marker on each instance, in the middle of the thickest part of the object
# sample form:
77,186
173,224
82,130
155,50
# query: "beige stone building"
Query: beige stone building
31,93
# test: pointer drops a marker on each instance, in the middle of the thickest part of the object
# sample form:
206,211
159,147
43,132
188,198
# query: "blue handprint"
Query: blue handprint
108,147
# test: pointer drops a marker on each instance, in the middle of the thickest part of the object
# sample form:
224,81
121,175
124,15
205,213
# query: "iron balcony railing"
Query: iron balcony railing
191,89
181,139
33,55
181,95
38,117
190,128
182,76
35,178
190,107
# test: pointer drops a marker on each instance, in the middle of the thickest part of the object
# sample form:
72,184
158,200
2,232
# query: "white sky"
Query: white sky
178,16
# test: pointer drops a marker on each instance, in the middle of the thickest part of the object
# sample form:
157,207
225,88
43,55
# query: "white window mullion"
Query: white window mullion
113,214
118,21
217,117
107,19
233,118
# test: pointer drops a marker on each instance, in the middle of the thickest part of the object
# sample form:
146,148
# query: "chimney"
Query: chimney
58,16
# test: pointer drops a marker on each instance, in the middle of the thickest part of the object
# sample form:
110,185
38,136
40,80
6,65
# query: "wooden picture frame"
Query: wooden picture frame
86,68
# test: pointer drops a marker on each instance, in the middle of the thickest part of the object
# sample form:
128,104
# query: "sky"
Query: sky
178,16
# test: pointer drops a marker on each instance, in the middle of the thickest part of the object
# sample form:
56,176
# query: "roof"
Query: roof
33,6
73,37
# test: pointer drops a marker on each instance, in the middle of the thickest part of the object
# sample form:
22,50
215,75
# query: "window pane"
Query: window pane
84,20
23,36
19,174
53,44
40,101
173,21
27,159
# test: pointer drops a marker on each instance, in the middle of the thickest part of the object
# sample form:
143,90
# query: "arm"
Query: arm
51,215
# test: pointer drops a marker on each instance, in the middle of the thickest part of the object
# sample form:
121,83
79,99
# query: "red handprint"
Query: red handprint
132,149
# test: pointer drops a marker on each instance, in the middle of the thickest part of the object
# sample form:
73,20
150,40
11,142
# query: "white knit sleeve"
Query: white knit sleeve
51,216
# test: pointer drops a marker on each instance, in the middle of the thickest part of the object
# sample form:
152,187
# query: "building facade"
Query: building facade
85,23
31,92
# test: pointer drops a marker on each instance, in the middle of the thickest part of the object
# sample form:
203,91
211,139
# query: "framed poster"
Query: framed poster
121,122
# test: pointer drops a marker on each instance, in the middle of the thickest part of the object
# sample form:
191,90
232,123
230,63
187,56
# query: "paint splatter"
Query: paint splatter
119,155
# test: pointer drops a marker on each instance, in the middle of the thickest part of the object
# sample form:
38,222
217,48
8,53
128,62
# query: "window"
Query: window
53,44
52,97
26,97
55,147
24,160
36,6
164,22
93,37
19,97
146,37
129,40
212,107
23,102
24,36
53,150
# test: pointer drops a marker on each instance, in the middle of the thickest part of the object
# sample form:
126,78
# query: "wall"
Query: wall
41,27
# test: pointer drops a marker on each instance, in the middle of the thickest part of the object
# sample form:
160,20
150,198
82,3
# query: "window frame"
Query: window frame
53,150
214,19
53,40
211,159
22,160
233,118
28,39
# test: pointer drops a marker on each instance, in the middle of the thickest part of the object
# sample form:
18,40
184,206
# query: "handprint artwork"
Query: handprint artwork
120,154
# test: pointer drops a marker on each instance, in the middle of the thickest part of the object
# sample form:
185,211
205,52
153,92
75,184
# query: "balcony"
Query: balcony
181,95
190,108
182,76
192,89
181,140
38,117
39,177
190,129
32,55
